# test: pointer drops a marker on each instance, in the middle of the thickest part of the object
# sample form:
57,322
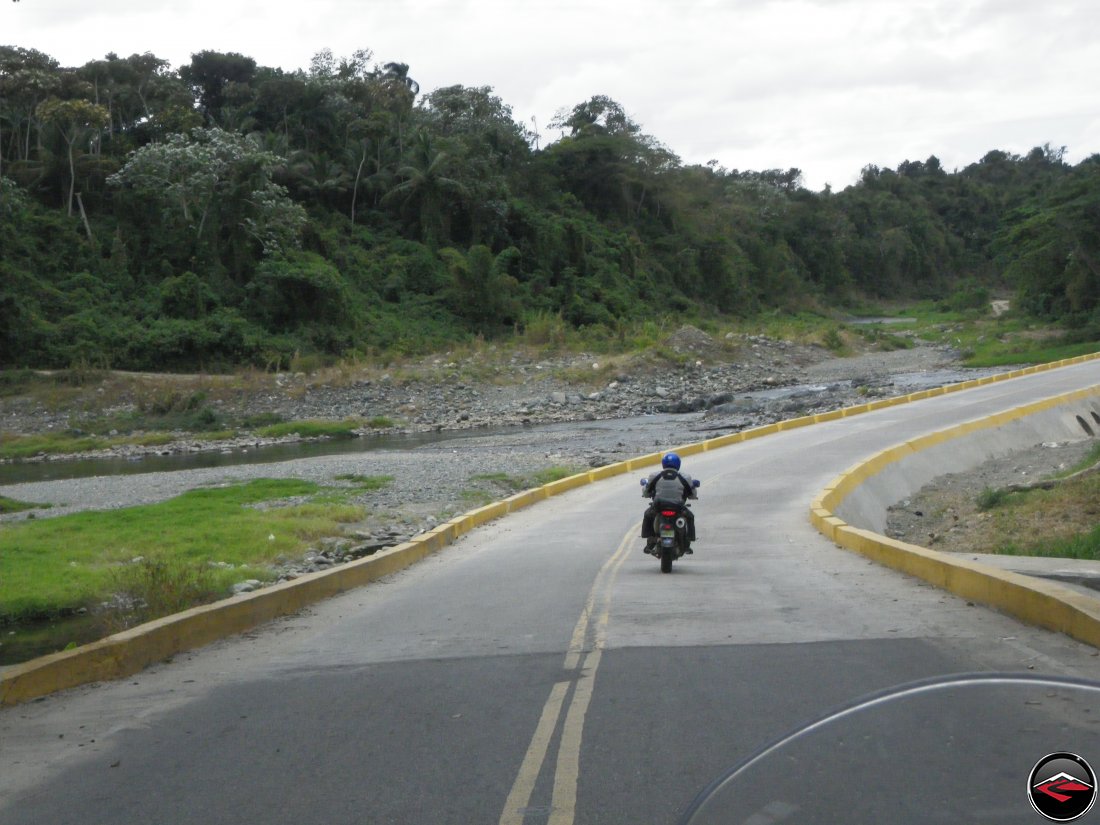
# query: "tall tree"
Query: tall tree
490,152
75,120
606,160
398,73
218,80
215,190
27,77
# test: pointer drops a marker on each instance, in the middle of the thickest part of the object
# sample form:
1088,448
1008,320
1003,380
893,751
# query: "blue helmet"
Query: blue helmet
671,461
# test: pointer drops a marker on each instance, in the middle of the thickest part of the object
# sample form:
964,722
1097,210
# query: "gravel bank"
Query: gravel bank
546,421
541,420
486,389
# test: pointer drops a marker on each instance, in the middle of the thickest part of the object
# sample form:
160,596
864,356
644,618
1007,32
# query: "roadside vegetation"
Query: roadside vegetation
1062,521
985,340
179,552
10,505
485,488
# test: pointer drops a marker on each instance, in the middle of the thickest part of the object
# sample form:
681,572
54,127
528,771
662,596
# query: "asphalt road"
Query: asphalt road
542,669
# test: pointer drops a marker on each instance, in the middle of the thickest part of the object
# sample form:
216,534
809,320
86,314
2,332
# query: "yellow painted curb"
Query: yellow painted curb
129,652
1037,602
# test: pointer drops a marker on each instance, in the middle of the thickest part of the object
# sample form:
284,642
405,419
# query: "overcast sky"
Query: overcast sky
828,86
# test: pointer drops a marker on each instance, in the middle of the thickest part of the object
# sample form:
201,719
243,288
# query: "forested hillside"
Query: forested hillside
226,213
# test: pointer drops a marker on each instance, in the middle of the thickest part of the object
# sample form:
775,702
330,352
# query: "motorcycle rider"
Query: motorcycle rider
664,486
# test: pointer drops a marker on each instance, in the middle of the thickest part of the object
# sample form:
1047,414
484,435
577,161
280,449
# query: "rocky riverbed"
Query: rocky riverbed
733,382
499,425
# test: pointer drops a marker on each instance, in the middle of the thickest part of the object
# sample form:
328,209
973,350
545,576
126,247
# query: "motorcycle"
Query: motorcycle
670,529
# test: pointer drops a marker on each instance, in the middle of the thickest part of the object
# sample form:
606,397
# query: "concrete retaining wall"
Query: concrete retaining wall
862,493
925,459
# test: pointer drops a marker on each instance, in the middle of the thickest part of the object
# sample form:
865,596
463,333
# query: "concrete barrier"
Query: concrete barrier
851,510
126,653
905,468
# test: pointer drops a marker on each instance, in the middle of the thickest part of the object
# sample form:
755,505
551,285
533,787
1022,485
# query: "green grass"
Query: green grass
153,588
990,498
986,341
513,484
1090,458
476,498
833,342
552,474
11,505
312,429
549,332
509,482
786,326
1000,356
64,443
158,409
882,339
56,564
380,422
28,446
16,382
1063,521
21,381
265,419
1084,546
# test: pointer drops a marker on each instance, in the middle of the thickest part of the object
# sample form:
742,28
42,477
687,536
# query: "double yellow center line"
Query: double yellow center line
582,660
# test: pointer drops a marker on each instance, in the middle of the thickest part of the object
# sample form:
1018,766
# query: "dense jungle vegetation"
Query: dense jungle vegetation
226,213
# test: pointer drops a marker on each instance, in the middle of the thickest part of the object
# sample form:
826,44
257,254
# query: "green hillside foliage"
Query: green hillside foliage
226,213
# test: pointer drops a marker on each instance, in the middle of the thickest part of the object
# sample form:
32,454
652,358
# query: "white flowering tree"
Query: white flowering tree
208,197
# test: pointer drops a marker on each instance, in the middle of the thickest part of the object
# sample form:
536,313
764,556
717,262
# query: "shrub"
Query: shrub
969,295
832,340
990,498
154,588
265,419
311,429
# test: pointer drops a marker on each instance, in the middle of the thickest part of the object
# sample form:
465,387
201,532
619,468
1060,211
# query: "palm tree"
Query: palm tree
400,90
317,175
399,73
426,186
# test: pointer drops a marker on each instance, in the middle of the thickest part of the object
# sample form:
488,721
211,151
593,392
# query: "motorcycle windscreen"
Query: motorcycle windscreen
970,750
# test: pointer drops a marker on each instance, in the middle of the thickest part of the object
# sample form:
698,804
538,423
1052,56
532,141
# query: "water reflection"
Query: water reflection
116,466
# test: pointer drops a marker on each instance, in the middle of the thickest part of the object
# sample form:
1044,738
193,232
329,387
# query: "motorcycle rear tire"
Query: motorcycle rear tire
666,559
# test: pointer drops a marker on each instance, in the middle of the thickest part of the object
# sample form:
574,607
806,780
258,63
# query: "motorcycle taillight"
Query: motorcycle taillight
668,513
